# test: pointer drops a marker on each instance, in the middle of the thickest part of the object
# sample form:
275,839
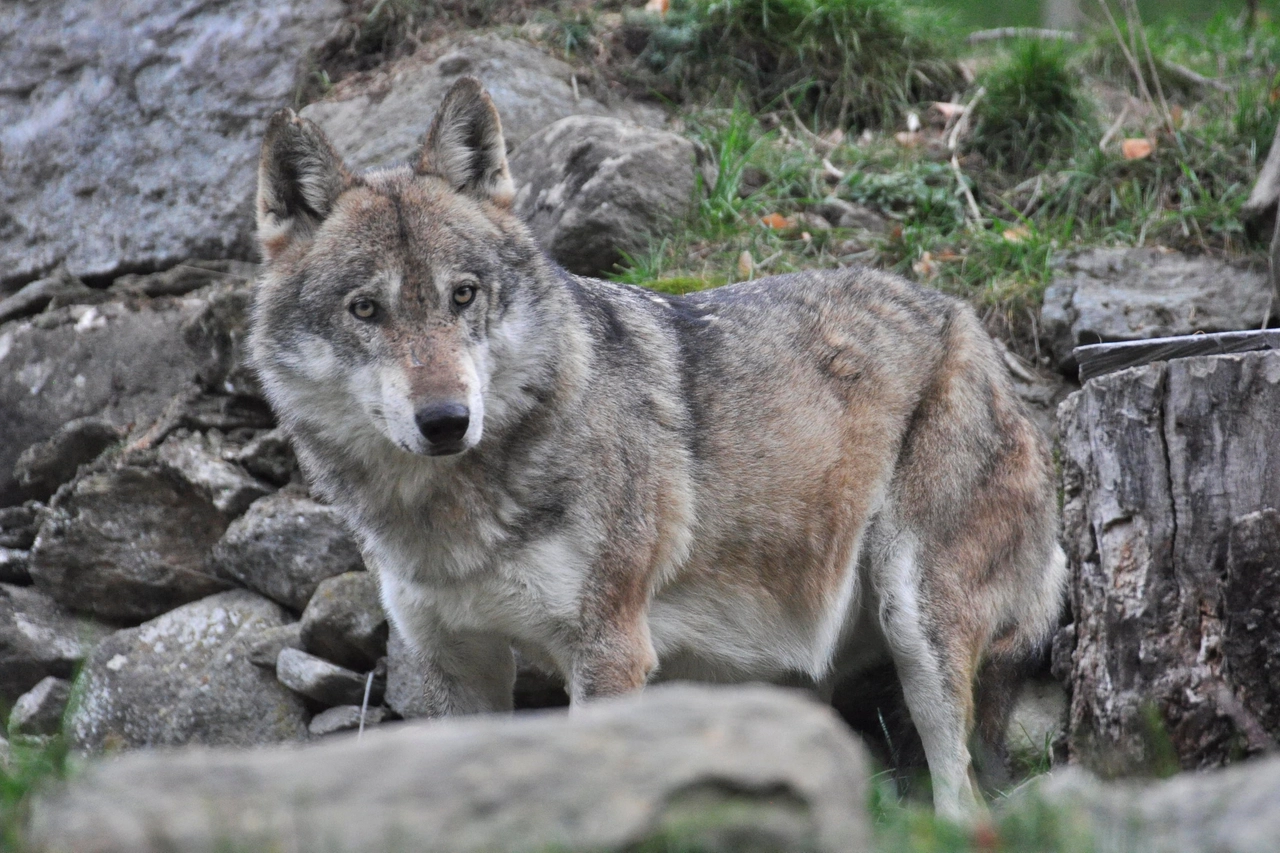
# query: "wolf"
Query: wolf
788,479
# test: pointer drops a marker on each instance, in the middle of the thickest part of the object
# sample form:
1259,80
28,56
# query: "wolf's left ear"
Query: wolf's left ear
300,177
465,147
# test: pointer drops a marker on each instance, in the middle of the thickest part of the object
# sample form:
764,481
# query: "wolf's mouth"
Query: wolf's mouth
451,449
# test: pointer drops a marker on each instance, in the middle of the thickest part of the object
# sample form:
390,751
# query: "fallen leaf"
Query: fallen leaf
746,264
806,236
659,6
913,122
1137,149
1016,234
948,110
925,267
777,221
908,139
835,137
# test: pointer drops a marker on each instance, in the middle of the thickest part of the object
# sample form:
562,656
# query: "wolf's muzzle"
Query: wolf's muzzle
443,426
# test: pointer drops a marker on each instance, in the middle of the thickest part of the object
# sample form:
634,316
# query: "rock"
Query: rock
43,467
39,710
1036,723
265,646
15,566
344,622
325,682
128,543
846,214
1166,468
38,639
592,188
198,458
1225,811
677,767
18,525
37,295
284,546
382,120
269,456
122,361
344,718
129,131
184,678
1105,295
186,277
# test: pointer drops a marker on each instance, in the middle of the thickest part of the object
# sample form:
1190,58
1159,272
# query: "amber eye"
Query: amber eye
364,309
463,294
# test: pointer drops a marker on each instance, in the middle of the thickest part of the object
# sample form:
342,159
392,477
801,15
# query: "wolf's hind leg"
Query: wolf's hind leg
936,683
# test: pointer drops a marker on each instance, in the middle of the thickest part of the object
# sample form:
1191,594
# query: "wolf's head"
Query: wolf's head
387,297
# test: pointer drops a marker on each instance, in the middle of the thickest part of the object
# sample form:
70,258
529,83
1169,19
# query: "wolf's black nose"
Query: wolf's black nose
443,424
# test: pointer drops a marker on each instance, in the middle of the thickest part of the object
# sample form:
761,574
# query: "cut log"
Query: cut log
1171,476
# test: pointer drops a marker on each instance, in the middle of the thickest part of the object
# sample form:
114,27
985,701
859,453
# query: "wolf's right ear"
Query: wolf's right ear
300,176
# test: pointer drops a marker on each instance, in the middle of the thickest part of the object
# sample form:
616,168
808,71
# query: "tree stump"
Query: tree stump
1171,475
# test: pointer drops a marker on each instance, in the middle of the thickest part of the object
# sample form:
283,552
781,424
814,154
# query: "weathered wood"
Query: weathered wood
1161,463
1097,360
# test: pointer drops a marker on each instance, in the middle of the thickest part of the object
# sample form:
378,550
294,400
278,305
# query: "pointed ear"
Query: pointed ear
465,147
300,176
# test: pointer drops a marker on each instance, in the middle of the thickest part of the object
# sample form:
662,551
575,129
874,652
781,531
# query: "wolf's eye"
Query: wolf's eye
463,294
364,309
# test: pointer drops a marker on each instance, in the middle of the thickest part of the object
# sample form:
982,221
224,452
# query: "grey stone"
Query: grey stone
284,546
264,647
122,361
846,214
43,467
129,131
1104,295
15,566
198,458
344,718
1165,468
1223,811
344,621
325,682
383,120
38,638
38,295
750,768
269,456
128,543
18,525
39,710
185,277
185,678
1037,721
592,188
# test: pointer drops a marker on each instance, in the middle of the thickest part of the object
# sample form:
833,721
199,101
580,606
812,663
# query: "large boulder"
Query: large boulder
380,119
344,621
284,546
1103,295
1171,516
592,189
121,361
186,678
39,638
679,767
1226,811
128,542
129,130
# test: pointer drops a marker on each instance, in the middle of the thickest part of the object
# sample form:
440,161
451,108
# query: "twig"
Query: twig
364,706
1129,57
953,144
824,146
962,123
1194,78
1035,197
1022,33
964,186
1135,24
1114,129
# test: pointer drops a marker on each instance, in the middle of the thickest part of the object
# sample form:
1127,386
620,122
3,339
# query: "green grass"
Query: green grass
30,767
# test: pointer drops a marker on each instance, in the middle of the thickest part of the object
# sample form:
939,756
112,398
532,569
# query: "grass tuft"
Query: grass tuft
1034,109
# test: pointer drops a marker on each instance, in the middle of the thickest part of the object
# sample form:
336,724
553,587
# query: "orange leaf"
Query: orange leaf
776,221
1137,149
1016,234
659,6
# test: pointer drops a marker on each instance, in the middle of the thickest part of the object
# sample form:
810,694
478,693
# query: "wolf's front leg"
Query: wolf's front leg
612,658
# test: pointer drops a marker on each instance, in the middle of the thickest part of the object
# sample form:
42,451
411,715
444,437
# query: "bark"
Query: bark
1171,475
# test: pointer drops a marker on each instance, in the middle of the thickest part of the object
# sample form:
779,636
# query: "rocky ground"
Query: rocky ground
166,579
